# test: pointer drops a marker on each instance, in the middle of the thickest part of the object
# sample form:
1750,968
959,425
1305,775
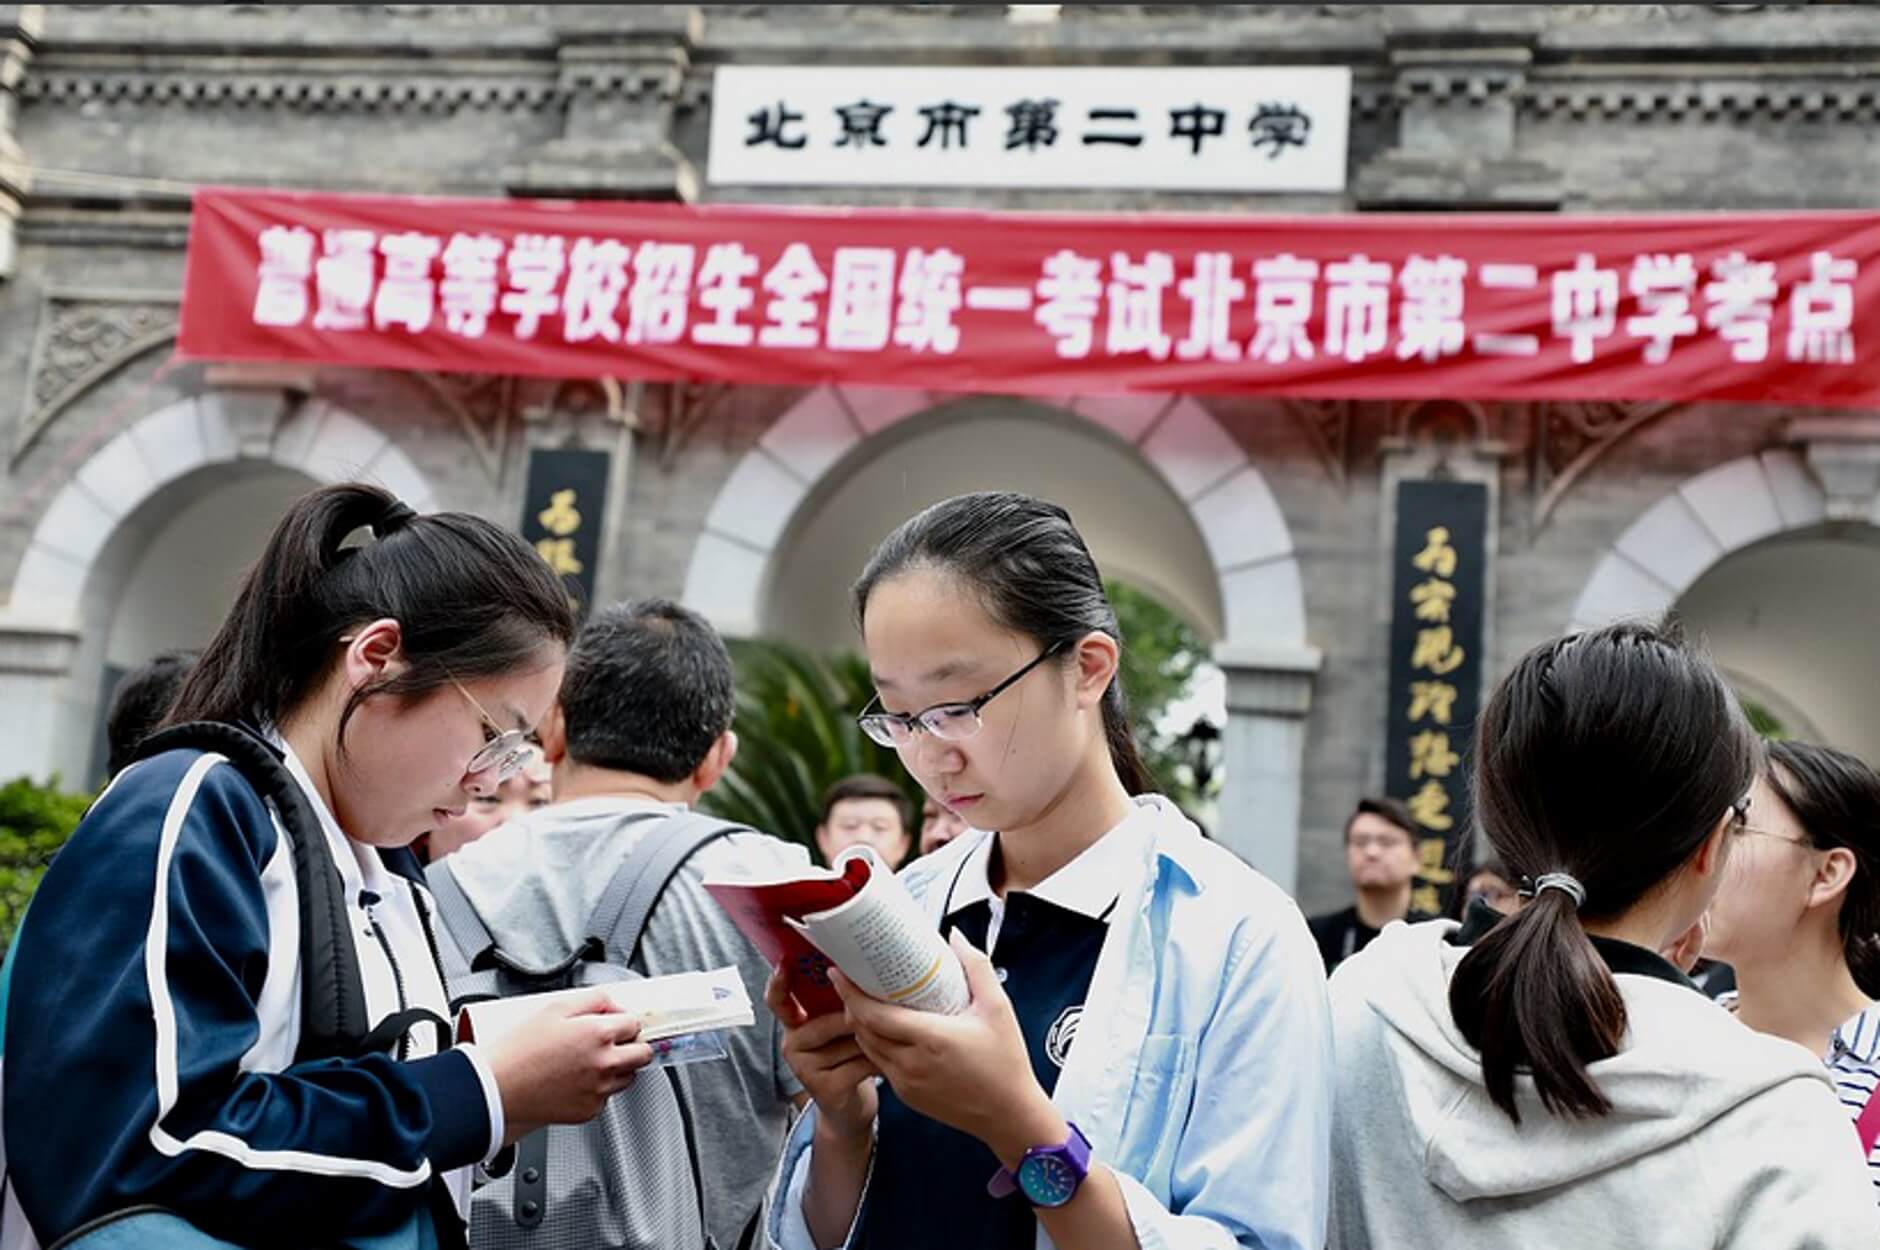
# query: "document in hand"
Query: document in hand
666,1007
857,915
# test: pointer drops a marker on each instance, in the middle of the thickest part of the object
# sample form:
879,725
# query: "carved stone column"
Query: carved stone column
1844,454
1269,695
621,71
1456,138
20,25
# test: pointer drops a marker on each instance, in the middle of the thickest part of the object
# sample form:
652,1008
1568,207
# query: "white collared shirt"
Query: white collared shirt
416,981
1086,885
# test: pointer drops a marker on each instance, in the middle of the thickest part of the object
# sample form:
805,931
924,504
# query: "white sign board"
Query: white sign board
1188,129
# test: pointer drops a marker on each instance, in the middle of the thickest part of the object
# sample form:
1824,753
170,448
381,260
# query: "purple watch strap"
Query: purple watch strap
1074,1151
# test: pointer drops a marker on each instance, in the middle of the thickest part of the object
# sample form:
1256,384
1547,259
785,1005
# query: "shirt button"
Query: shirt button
530,1176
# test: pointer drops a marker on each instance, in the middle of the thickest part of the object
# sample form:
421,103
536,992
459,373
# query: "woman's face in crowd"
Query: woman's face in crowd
1766,883
517,797
1492,889
403,772
938,826
929,641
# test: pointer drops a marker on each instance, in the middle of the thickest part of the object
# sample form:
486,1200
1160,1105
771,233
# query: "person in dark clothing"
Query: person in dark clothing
1381,855
140,702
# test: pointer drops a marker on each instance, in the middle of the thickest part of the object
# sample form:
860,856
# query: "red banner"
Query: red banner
1770,308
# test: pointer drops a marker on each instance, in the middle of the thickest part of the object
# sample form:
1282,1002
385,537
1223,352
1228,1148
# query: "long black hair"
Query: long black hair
1030,569
1836,800
471,600
1611,755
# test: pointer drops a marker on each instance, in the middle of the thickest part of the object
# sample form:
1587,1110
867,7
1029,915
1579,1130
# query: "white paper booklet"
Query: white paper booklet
669,1006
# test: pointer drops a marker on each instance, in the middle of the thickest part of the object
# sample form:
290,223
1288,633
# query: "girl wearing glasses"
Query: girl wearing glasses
1551,1084
395,663
1146,1055
1798,918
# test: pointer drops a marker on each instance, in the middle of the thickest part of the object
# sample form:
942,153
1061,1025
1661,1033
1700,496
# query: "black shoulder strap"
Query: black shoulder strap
628,901
333,1017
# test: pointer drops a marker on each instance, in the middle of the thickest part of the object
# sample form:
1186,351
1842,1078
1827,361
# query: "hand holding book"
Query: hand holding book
858,916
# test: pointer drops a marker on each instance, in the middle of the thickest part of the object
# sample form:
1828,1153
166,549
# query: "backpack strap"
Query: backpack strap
333,1016
620,918
470,939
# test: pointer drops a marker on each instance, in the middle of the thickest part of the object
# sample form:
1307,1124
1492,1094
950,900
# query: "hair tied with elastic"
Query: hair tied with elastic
1565,882
395,517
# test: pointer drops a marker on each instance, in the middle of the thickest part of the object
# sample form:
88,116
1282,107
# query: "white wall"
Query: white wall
182,583
1136,527
1795,617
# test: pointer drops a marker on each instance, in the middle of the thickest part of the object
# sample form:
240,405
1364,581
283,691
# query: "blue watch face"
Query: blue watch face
1048,1181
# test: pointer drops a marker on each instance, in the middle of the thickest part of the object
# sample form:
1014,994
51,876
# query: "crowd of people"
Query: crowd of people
225,1012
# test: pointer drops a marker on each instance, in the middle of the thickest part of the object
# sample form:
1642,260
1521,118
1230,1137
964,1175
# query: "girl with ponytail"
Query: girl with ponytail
1554,1084
225,1001
1798,918
1145,1057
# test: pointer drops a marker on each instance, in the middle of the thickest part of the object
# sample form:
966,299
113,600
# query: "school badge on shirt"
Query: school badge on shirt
1057,1043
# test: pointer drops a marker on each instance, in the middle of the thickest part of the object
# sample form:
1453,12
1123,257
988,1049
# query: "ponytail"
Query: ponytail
471,600
1533,995
1124,755
1610,757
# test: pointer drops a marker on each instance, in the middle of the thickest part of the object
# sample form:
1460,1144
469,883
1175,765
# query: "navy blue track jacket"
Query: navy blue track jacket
151,1027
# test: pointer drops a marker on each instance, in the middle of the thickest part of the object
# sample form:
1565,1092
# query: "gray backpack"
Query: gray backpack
629,1179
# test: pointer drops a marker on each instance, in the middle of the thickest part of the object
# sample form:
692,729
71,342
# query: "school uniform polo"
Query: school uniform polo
928,1184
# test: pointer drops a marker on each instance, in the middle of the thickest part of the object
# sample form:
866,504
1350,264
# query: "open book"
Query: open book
858,916
667,1007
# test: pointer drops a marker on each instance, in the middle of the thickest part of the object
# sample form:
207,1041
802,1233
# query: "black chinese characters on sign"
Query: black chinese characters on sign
1273,128
1438,579
562,515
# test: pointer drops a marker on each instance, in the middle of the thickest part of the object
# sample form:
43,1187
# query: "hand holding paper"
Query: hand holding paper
665,1007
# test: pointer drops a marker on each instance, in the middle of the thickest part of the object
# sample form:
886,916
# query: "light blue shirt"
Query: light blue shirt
1202,1070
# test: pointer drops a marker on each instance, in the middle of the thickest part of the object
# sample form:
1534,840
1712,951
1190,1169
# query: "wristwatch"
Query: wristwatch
1048,1176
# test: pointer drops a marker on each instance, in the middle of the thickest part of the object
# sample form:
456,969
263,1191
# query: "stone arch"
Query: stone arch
1263,644
1248,541
322,441
1709,516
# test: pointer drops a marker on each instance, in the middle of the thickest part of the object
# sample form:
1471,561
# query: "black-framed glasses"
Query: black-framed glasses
949,722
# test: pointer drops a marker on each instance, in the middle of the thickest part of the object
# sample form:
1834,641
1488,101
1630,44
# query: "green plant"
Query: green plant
1763,721
35,821
1161,656
797,736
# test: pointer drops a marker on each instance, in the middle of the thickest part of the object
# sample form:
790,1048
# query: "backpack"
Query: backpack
333,1018
618,1182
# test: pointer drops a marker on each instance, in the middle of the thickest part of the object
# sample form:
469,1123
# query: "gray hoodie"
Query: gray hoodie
1718,1137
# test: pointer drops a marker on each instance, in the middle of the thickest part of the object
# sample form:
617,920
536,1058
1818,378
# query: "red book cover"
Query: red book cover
759,908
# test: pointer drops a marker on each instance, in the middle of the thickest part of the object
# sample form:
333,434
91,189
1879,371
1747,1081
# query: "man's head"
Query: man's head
648,692
1381,844
140,702
868,809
